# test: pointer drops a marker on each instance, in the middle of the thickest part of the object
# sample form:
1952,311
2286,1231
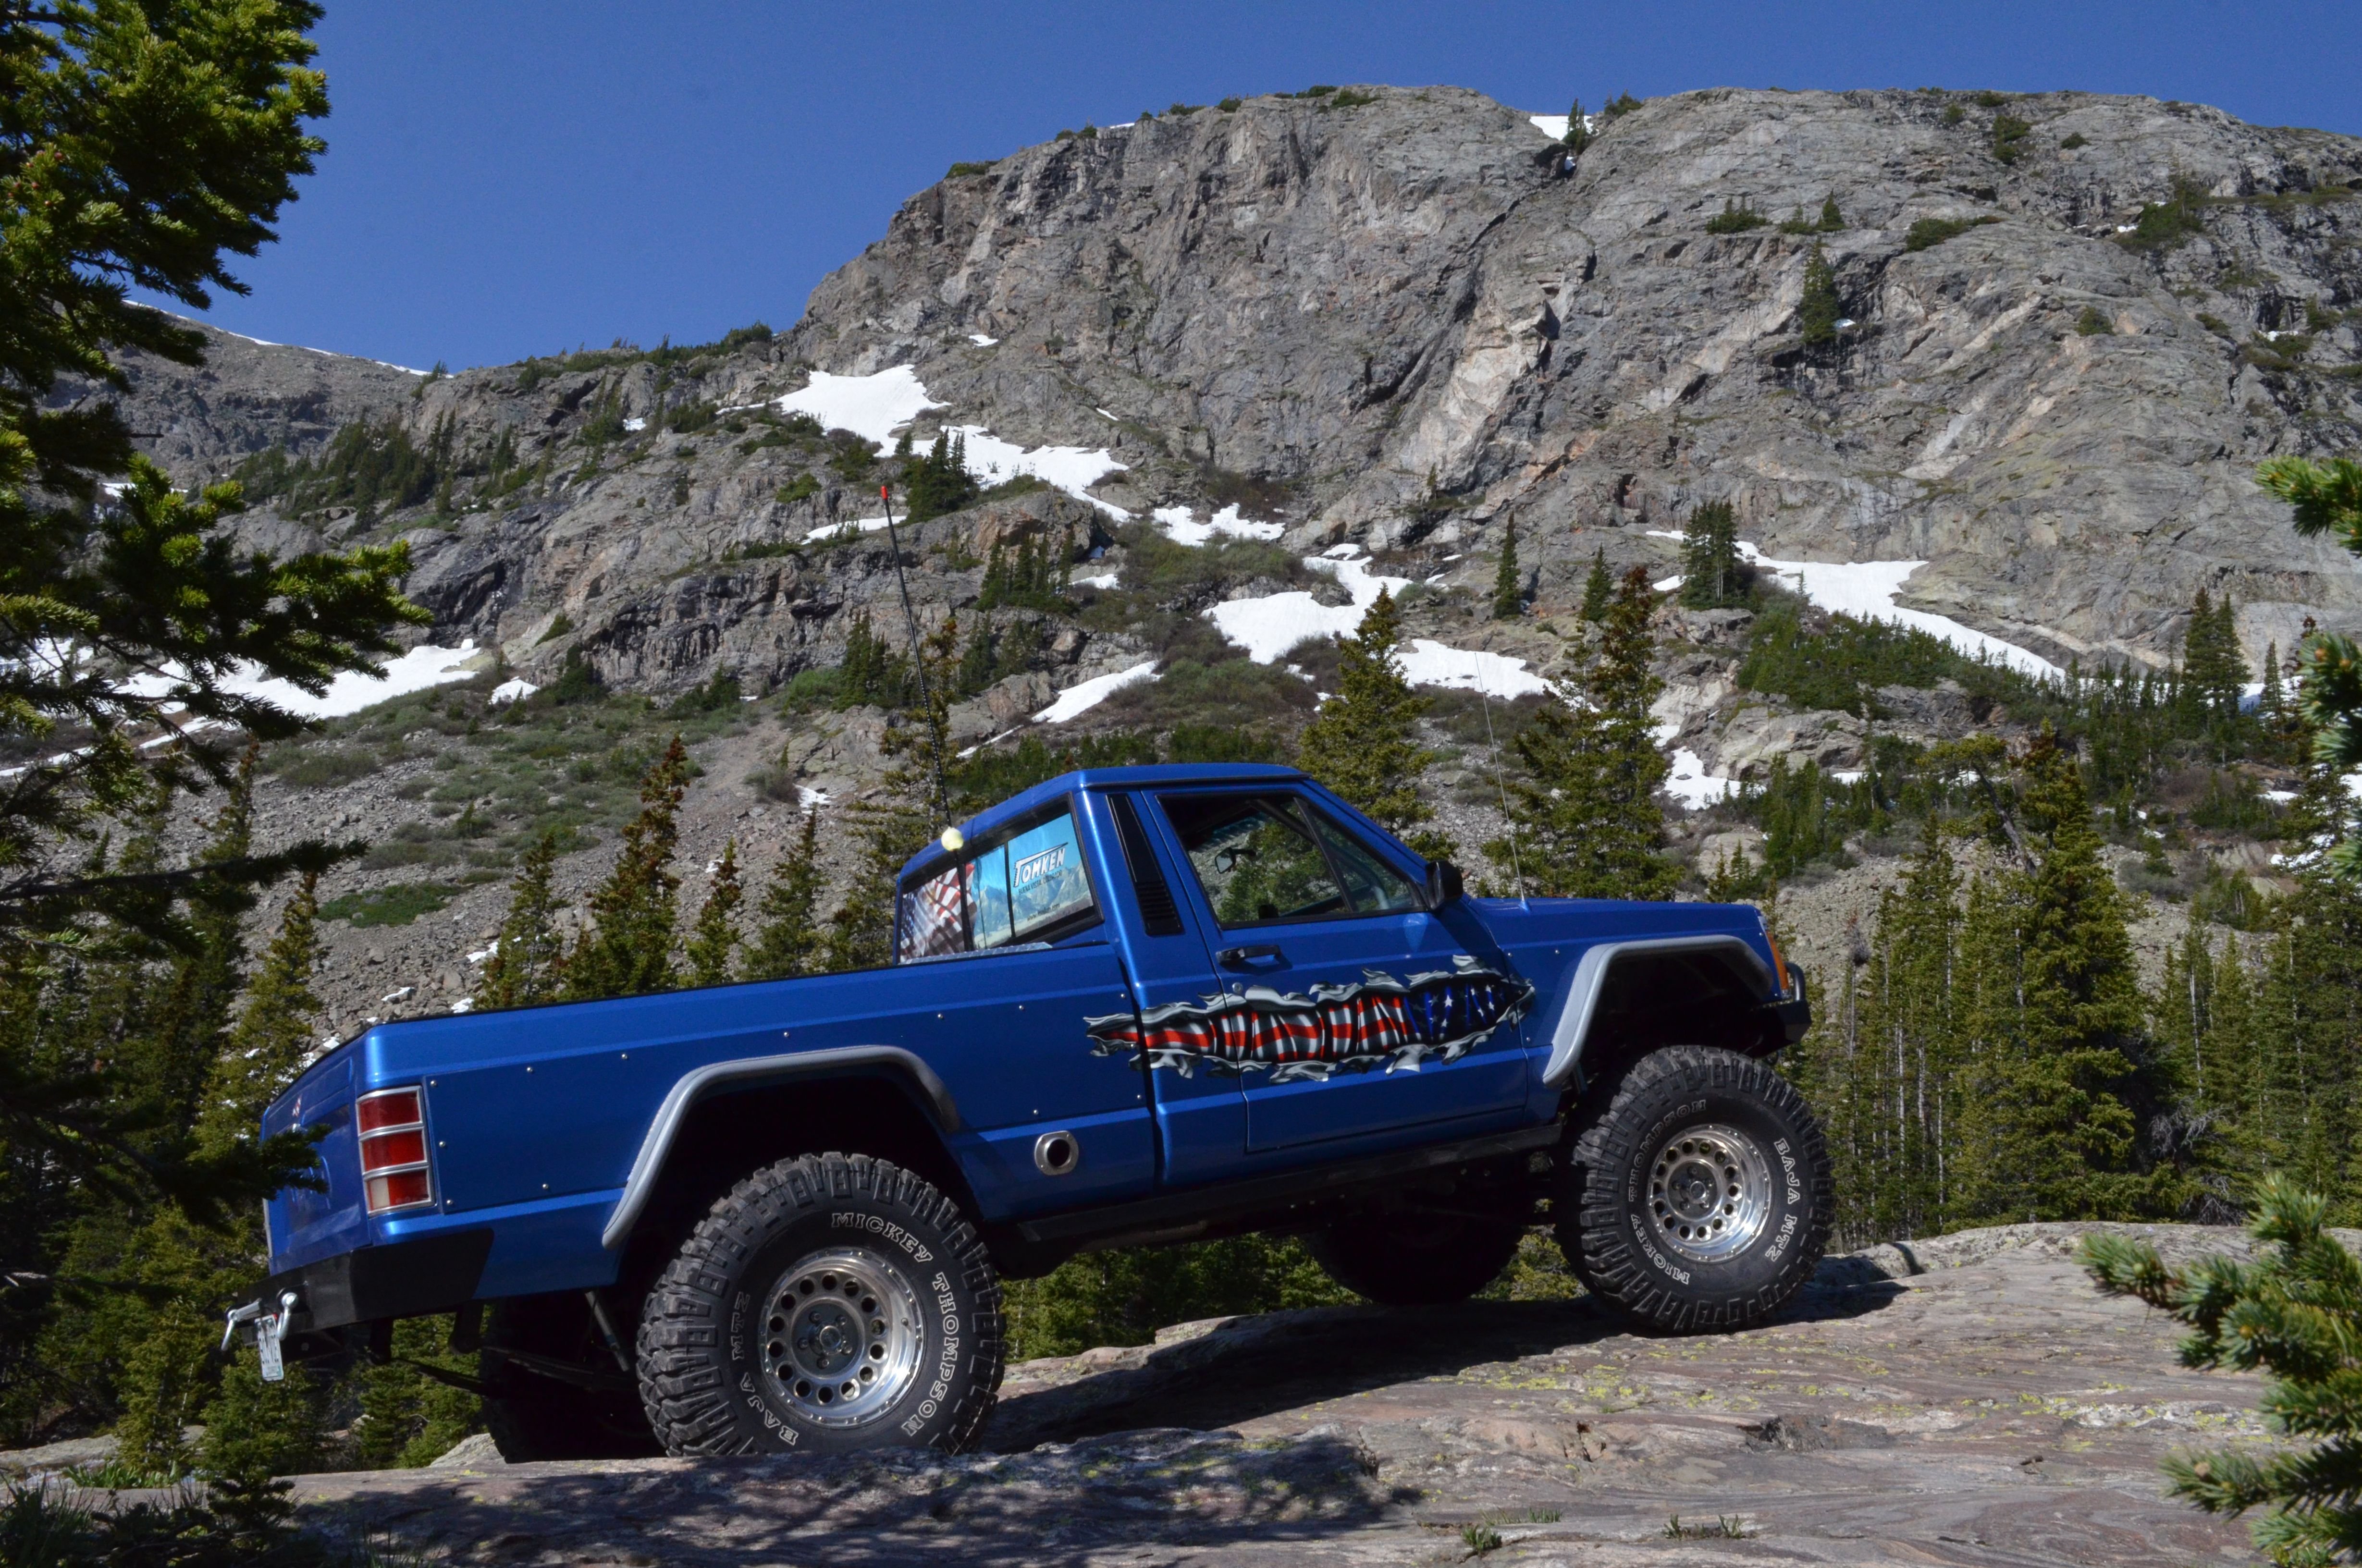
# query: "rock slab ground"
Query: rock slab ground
1993,1408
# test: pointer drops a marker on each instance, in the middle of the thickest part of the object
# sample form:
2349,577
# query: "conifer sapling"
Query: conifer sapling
1363,742
788,942
714,939
1508,583
2295,1314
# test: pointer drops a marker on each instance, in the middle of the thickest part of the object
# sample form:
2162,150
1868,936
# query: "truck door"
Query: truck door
1345,1008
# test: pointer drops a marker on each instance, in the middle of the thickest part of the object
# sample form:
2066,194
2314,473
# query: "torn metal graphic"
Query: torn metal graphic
1379,1023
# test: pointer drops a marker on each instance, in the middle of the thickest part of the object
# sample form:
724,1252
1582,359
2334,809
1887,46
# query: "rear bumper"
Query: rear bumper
393,1279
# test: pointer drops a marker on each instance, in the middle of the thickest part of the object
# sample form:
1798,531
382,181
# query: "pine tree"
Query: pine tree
527,963
1598,587
277,1027
1712,573
2327,497
1583,811
2296,1314
118,185
1821,308
1832,220
861,932
1508,583
789,942
714,939
627,948
2060,1021
174,1061
1578,136
939,482
1363,742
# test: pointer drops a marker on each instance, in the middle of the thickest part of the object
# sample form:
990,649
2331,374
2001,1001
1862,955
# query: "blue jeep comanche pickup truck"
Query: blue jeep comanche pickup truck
1130,1006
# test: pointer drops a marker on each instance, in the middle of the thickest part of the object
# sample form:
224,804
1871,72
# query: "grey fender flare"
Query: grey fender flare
694,1086
1571,1028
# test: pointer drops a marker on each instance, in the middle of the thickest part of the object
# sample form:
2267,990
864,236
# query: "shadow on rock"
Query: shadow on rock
1055,1504
1234,1370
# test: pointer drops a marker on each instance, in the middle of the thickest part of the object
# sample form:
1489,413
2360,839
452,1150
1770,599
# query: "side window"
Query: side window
1375,887
1262,860
1024,884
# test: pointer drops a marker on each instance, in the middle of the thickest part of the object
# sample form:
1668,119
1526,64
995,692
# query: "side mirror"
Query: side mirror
1444,885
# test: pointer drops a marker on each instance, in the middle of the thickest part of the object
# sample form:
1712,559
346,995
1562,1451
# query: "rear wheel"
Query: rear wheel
829,1302
1414,1260
1700,1199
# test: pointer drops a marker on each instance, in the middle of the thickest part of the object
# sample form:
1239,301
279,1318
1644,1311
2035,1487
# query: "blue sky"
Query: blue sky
511,176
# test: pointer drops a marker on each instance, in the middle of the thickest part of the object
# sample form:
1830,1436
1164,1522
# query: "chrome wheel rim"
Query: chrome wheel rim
842,1337
1709,1192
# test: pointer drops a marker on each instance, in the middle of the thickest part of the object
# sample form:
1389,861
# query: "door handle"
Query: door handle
1240,958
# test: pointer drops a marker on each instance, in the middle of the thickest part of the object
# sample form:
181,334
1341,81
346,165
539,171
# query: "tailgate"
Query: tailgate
305,1225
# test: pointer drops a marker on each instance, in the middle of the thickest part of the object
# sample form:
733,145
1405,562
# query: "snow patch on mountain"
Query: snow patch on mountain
872,407
1867,590
1179,524
1083,696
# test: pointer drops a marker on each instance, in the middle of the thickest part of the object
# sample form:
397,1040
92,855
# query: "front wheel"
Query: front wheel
829,1302
1700,1199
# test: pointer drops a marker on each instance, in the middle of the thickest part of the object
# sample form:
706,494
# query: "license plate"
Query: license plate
266,1342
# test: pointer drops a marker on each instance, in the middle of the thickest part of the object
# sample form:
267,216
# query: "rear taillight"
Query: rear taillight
392,1126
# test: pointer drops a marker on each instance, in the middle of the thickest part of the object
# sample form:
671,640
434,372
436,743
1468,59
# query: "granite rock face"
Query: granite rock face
1398,321
1357,302
1968,1399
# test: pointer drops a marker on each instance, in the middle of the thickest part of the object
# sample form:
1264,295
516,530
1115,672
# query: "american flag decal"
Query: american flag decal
1380,1022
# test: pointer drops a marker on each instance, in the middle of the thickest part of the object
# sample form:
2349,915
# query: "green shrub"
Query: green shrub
1989,99
1157,570
1735,219
1234,693
812,689
963,170
1841,665
1831,220
1620,105
2074,140
803,487
689,417
1954,114
1930,232
1229,106
2009,137
1178,110
1349,99
718,695
313,765
397,905
2213,324
1315,93
2093,323
1012,488
2163,224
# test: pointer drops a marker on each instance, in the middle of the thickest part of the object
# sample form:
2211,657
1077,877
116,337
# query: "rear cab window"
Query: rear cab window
1023,884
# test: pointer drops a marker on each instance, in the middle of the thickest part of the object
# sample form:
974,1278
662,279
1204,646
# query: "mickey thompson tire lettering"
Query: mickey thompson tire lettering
703,1373
1614,1230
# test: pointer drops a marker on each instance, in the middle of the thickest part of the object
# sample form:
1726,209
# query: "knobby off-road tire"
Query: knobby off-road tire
532,1416
1699,1200
829,1302
1413,1260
